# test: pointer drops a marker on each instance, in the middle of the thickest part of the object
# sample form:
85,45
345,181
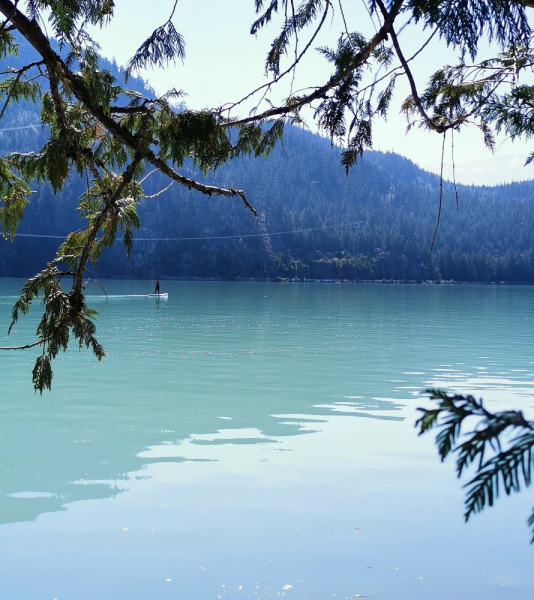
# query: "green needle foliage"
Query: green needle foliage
65,314
111,136
499,446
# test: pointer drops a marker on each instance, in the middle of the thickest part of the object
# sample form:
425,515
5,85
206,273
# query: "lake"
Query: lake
256,440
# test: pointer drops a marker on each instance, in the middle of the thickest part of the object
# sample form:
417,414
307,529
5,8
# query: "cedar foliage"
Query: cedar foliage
99,128
106,132
500,446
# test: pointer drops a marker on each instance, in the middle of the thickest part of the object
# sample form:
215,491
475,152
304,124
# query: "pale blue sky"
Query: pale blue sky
224,62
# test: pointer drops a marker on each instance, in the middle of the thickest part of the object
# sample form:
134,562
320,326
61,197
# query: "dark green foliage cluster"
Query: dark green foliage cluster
103,136
64,314
165,44
13,197
69,17
500,446
100,136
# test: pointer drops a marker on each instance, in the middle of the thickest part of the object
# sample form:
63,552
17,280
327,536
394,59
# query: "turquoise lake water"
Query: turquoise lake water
250,440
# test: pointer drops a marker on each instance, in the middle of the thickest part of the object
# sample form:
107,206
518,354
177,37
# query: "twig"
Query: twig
269,84
296,45
440,199
453,169
148,175
160,192
321,92
413,87
26,346
98,284
8,98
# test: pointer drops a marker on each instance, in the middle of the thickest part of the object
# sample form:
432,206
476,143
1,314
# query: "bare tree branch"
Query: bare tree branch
160,192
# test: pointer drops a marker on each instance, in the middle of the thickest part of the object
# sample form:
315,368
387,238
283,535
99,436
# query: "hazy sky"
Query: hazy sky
224,62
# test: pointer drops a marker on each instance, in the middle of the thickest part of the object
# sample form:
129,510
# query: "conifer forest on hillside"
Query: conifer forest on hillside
314,221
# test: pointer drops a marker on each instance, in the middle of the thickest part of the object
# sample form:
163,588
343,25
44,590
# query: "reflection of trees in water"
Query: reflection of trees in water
16,510
81,452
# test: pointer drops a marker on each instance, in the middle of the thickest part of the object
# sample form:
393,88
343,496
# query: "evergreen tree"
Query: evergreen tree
110,134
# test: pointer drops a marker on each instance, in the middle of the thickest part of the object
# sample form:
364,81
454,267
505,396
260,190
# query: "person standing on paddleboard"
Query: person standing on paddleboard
157,286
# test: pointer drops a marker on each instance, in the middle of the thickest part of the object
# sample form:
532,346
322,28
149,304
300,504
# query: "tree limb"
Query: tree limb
56,65
37,343
111,198
413,87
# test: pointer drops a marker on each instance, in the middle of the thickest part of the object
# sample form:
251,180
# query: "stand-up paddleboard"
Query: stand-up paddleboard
159,296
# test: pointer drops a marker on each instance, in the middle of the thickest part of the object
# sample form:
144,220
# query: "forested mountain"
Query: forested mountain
314,221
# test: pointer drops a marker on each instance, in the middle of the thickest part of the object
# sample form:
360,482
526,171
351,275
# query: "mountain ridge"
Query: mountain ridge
375,223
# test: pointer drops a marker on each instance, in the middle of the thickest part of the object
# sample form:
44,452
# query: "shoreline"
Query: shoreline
305,280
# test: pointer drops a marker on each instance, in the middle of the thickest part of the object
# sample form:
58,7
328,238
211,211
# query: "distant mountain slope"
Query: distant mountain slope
377,223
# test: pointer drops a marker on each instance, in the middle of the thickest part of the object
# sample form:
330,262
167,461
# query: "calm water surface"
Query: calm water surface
257,441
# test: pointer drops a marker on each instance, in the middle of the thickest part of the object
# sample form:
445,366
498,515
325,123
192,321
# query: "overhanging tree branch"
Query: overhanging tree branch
55,66
95,125
291,68
321,92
